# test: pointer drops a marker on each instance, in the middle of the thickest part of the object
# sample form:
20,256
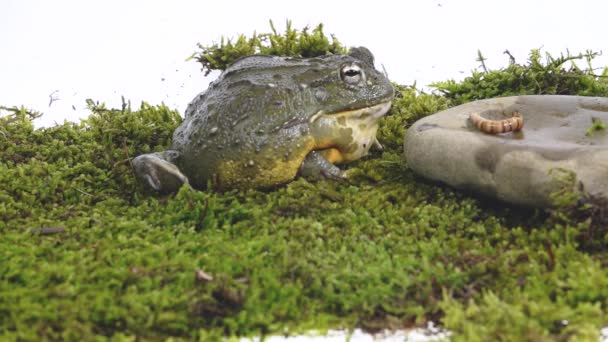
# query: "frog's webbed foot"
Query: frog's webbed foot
159,172
316,167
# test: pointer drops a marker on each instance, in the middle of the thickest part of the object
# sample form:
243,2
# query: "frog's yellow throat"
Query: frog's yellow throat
362,125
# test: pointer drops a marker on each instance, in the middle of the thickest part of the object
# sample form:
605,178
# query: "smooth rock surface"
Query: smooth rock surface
522,167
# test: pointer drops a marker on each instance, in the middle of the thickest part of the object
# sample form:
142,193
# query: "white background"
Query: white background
78,49
104,49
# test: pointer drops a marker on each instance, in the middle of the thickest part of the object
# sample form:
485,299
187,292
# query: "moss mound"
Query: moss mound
384,250
293,42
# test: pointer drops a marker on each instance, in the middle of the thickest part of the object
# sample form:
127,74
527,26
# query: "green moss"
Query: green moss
409,105
596,125
556,76
384,250
302,43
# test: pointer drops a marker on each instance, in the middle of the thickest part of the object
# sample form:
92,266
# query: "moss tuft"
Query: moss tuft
556,76
304,43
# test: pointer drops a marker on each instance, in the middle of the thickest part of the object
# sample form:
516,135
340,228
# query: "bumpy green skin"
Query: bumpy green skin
255,125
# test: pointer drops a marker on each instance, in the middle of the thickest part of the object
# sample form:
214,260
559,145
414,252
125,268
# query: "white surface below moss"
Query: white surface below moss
430,334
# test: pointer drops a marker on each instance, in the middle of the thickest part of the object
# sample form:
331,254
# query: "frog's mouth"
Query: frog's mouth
371,113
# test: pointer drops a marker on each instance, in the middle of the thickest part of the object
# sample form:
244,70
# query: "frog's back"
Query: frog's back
251,125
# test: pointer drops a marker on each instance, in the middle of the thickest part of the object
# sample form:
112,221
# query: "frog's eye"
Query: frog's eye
352,74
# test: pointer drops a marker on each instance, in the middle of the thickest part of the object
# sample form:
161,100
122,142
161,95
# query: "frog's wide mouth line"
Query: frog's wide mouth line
372,112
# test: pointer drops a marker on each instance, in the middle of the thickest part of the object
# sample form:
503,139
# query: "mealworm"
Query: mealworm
514,123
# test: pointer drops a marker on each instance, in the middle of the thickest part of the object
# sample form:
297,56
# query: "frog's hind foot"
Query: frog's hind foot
158,171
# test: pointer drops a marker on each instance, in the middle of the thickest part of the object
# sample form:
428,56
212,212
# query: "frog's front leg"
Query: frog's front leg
159,172
315,166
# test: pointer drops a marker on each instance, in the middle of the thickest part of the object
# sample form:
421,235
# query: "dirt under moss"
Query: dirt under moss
384,250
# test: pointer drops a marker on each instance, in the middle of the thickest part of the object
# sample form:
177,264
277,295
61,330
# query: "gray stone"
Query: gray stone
522,167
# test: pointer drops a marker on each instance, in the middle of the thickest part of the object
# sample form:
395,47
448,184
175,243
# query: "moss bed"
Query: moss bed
87,254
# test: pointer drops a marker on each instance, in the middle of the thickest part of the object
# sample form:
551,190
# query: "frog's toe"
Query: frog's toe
160,174
377,145
338,177
316,167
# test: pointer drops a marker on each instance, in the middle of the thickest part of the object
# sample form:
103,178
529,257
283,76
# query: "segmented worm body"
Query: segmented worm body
514,123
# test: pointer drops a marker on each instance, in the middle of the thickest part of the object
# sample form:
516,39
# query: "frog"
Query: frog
268,119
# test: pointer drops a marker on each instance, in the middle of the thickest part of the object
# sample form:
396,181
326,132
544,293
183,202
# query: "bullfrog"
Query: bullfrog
266,119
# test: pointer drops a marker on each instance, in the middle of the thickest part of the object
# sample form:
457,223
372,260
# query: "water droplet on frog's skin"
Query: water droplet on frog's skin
321,95
213,130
